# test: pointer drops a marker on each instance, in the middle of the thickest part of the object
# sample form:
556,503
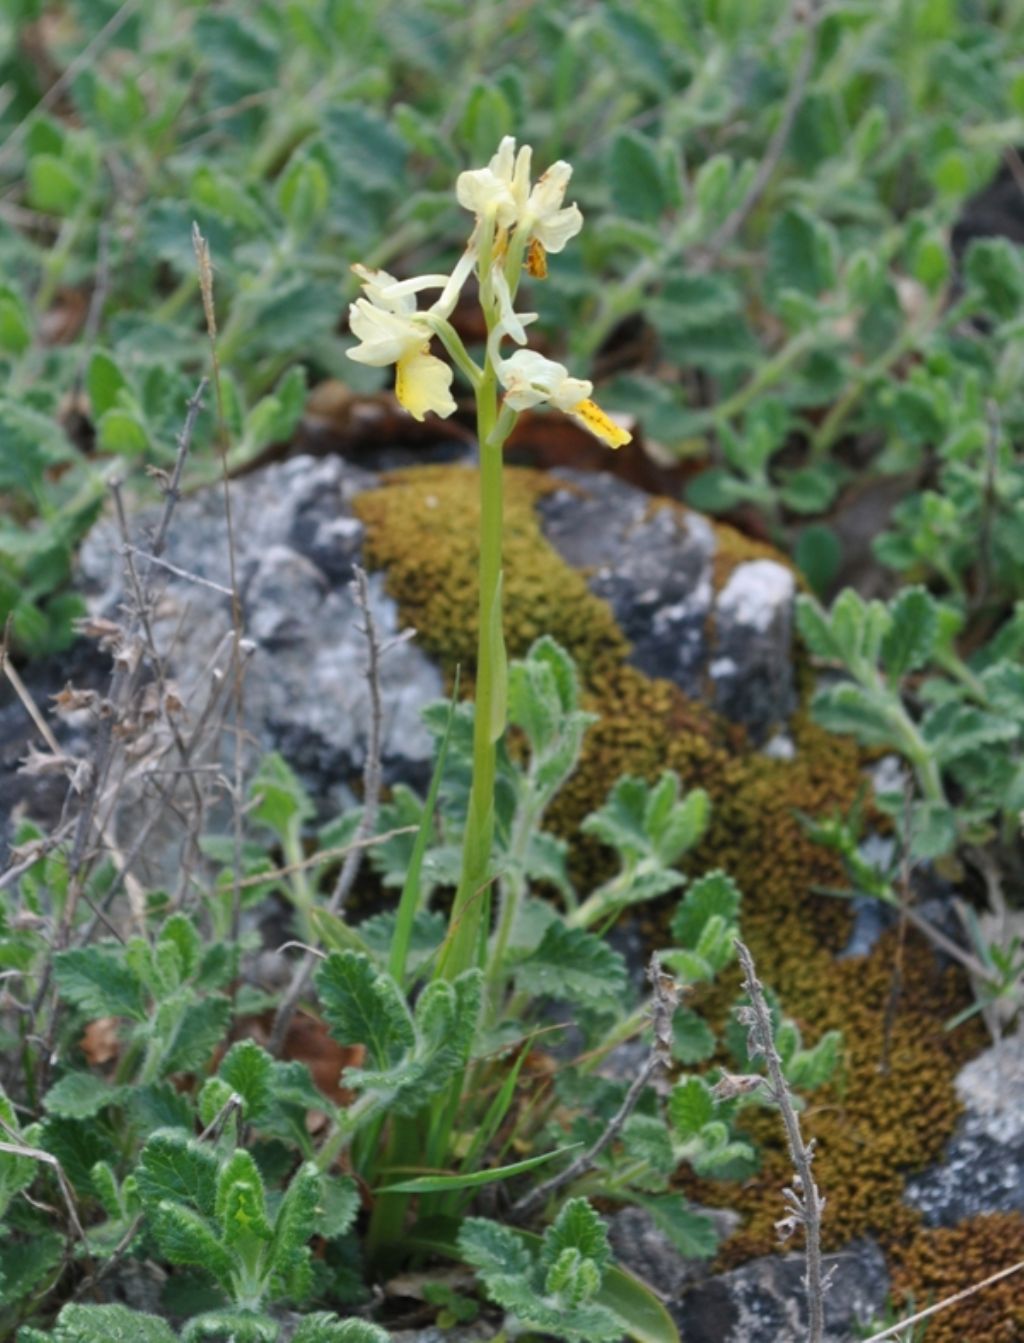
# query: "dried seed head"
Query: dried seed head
731,1085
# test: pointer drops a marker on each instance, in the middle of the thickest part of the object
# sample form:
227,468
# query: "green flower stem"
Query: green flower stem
452,342
462,949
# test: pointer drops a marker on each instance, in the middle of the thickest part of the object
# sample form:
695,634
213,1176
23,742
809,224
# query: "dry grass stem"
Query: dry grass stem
664,1000
371,803
803,1200
895,1330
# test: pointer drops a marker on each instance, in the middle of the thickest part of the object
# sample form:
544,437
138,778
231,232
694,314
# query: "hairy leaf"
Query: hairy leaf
910,640
712,894
492,1248
200,1029
241,1204
109,1324
296,1218
97,981
364,1006
574,966
323,1328
577,1227
692,1233
185,1237
80,1095
690,1106
248,1069
174,1166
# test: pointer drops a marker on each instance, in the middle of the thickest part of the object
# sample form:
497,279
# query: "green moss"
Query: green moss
895,1105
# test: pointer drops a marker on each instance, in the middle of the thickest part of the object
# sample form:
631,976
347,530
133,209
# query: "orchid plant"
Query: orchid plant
516,226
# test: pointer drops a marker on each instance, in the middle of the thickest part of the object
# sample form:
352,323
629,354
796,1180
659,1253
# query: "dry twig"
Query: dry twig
894,1331
664,1001
805,1204
368,820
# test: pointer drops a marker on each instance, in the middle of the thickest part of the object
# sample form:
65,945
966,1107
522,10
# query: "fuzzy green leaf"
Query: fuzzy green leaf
692,1233
953,730
183,934
176,1167
339,1205
80,1096
809,1069
98,982
24,1264
932,830
693,1040
283,801
323,1328
231,1326
634,176
645,1138
241,1205
199,1030
577,1227
801,253
850,709
296,1218
691,1106
910,640
712,895
109,1324
492,1248
574,966
364,1006
248,1069
185,1237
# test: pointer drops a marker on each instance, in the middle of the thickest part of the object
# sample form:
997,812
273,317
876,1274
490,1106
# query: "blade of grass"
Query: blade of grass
442,1184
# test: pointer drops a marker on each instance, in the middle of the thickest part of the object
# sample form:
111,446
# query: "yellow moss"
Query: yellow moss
891,1109
938,1263
422,528
895,1105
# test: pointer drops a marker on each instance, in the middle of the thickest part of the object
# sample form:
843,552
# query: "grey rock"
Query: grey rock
752,668
982,1169
640,1246
296,539
765,1301
42,796
655,568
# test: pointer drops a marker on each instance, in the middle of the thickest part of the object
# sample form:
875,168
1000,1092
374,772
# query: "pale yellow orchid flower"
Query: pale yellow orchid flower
530,379
501,193
390,330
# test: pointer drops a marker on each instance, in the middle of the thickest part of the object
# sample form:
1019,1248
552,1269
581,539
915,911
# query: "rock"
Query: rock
764,1301
655,568
642,1247
42,796
983,1167
753,635
296,539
